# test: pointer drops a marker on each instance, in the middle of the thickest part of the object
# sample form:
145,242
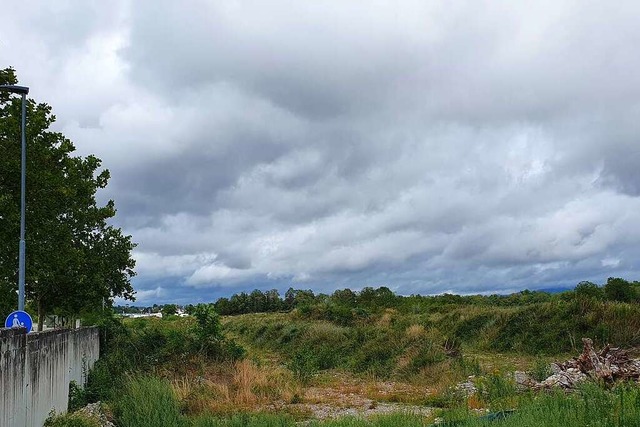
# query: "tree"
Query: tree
76,261
239,303
618,289
589,290
289,299
169,310
273,301
345,297
223,306
257,301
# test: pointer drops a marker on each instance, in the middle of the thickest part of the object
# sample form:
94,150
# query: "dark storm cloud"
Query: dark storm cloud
428,146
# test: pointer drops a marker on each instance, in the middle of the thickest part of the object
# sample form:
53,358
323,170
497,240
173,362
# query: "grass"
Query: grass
71,420
239,386
244,393
244,420
590,406
148,401
297,360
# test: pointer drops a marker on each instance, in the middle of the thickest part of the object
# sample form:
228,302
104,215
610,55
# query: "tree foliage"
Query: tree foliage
169,310
589,290
617,289
75,260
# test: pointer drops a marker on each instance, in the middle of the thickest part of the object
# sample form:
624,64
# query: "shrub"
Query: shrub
77,396
375,357
304,365
541,369
71,420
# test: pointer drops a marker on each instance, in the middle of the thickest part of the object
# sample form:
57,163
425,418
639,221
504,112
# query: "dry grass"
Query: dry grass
342,389
387,317
415,332
244,384
440,376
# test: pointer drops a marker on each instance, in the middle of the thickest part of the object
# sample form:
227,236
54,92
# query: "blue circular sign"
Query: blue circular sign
19,319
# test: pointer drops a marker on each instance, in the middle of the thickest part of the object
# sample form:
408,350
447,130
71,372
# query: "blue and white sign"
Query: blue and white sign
19,319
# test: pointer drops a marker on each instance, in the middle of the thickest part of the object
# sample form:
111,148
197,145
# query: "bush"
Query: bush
77,397
146,345
71,420
304,365
375,357
541,369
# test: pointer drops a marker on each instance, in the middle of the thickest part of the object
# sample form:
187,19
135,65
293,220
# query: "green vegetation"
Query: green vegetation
71,420
148,402
408,351
372,347
152,345
151,402
375,342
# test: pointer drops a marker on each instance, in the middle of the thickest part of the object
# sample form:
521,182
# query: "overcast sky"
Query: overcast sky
429,146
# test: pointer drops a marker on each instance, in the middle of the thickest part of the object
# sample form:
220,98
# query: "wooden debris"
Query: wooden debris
611,365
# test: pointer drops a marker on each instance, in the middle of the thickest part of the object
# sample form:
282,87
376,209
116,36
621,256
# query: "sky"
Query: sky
428,146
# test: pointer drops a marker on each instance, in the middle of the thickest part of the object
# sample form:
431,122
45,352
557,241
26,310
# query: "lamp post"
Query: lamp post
21,90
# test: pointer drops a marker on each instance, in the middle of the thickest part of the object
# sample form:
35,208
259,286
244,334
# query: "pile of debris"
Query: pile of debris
610,365
94,412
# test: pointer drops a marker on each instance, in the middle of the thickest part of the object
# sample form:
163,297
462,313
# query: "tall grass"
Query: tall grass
391,420
148,401
242,386
244,420
380,348
591,406
71,420
151,402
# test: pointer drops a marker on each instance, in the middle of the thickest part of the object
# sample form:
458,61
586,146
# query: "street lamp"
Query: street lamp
21,90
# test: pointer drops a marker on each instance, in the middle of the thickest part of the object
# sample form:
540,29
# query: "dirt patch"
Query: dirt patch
358,406
348,396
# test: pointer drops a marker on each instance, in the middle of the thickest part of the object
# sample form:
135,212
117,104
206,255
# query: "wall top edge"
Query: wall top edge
12,332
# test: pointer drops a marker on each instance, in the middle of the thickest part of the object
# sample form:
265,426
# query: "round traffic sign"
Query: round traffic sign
19,319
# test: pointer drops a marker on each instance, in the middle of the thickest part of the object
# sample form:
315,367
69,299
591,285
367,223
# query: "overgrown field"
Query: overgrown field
393,363
152,402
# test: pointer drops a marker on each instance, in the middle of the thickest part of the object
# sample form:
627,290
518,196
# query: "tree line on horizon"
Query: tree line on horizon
371,299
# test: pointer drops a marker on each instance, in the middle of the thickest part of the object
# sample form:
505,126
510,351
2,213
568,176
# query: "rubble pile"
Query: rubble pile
610,365
94,411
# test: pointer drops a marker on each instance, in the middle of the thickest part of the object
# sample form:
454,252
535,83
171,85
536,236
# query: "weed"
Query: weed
304,365
541,369
77,396
71,420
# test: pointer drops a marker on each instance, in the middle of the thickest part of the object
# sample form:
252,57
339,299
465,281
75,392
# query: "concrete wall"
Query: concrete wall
35,371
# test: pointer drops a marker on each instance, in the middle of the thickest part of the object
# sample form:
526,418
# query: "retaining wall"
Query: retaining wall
35,371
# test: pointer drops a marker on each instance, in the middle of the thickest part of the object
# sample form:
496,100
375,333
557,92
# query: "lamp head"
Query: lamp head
22,90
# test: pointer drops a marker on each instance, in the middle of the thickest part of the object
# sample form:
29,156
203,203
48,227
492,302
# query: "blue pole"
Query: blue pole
23,185
22,90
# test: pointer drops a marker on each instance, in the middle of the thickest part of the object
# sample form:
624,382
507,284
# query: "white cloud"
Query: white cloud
428,146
